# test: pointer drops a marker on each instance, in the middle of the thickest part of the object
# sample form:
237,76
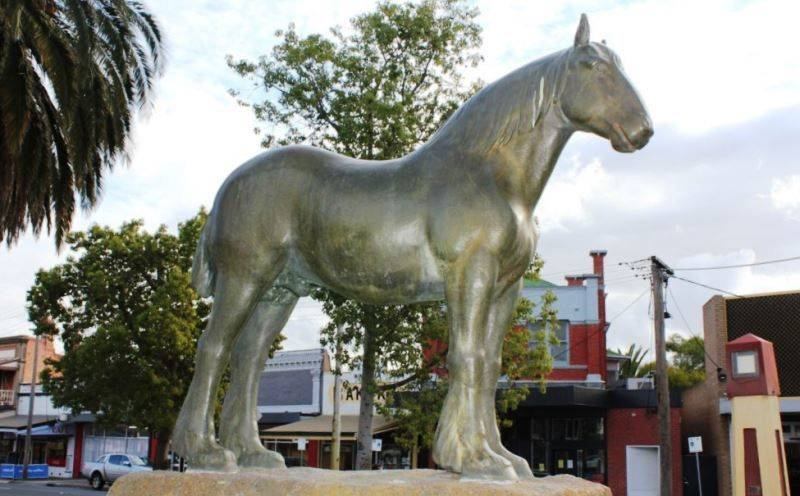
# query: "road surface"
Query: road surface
40,489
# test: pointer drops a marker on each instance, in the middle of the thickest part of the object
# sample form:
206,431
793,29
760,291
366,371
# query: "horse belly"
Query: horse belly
385,267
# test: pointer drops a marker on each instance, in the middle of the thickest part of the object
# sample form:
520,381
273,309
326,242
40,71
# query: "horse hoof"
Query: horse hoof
488,465
262,459
520,466
217,459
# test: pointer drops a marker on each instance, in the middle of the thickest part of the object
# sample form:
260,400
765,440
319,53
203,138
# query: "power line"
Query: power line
598,329
612,319
737,266
689,328
706,286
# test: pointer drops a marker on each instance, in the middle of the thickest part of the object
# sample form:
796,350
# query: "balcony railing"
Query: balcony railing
6,397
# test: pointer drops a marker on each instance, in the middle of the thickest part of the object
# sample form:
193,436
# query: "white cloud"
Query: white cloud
698,65
785,194
691,196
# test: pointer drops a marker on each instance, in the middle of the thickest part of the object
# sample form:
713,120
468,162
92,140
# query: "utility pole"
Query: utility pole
337,414
659,274
28,455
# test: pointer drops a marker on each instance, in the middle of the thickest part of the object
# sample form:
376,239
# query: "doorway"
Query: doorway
642,467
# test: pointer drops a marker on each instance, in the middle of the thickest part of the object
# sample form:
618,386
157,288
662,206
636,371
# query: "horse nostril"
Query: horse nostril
643,136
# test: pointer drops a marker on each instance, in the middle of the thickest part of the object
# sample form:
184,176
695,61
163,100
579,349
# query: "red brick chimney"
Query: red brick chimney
574,280
598,267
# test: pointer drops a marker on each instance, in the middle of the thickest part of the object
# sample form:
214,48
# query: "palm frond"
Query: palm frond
73,74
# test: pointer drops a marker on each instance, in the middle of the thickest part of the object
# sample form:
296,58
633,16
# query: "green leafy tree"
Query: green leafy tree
687,353
687,366
129,319
72,74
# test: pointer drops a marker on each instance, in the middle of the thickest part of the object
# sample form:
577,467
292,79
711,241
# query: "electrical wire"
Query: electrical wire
737,266
689,328
612,319
705,286
599,329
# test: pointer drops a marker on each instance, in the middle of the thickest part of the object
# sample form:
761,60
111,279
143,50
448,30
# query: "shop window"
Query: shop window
56,453
592,428
539,458
593,465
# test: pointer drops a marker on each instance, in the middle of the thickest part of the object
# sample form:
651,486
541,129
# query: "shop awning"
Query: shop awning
16,423
320,427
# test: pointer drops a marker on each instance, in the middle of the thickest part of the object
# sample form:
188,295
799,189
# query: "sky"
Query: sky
719,183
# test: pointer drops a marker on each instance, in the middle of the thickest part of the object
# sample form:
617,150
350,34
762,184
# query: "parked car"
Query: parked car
111,467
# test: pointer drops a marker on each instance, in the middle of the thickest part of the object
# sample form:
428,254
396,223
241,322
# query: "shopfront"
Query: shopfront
568,445
560,440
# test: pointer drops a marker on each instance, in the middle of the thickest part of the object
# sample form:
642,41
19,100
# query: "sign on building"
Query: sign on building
696,444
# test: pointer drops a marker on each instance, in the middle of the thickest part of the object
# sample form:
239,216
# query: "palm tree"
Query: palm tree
632,367
72,74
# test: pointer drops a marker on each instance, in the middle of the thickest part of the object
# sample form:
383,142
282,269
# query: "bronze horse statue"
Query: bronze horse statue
453,220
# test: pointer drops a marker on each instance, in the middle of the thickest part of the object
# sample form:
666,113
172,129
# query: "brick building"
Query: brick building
588,423
774,317
53,442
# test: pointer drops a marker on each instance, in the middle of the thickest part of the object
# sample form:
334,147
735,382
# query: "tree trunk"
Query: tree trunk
364,440
160,461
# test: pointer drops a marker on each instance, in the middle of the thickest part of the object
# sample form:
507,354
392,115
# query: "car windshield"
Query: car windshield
135,460
101,459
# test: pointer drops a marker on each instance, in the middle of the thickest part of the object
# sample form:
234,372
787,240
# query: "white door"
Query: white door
642,466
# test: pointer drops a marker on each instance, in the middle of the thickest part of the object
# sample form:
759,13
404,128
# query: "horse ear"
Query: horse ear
582,36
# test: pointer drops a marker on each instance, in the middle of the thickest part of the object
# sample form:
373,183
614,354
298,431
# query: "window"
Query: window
117,459
560,351
137,461
745,364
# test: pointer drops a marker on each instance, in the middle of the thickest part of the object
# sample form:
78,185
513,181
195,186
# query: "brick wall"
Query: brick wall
46,350
636,426
715,334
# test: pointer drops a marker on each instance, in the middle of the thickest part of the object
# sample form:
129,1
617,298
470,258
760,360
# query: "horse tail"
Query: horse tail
202,270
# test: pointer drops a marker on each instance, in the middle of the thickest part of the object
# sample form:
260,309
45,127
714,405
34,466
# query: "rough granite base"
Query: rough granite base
304,481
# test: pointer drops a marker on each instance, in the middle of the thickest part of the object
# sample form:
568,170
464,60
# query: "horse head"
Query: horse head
598,97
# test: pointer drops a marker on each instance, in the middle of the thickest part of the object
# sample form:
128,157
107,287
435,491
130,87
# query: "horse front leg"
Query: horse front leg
500,319
462,440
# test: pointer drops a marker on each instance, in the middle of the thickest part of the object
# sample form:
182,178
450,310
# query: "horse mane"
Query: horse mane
507,107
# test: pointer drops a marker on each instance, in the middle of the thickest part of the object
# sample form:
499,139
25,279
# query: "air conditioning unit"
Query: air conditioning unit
640,383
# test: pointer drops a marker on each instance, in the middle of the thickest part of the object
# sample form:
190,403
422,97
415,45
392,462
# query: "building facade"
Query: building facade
50,441
590,422
774,317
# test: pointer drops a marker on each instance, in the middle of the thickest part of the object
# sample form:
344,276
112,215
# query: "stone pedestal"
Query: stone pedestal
304,481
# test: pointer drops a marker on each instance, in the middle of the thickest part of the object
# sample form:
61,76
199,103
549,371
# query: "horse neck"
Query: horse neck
495,128
523,166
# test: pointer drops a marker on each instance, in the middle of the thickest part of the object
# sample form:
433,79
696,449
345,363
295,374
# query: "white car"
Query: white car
111,467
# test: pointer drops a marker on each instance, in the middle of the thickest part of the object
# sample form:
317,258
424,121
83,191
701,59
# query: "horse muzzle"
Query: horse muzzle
632,139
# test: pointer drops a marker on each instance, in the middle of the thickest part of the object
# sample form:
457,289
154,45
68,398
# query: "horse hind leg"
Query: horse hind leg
235,295
239,421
